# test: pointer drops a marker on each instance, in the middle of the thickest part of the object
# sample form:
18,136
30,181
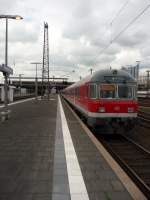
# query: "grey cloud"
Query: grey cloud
21,32
88,23
133,39
82,31
6,6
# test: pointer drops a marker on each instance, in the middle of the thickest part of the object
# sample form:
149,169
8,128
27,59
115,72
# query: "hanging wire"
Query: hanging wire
121,32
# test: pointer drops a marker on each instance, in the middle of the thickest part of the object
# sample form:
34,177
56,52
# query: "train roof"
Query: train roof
102,74
106,76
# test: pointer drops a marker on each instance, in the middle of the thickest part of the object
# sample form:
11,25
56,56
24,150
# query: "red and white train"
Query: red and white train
105,97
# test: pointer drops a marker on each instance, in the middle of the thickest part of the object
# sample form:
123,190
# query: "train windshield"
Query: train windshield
107,91
126,92
117,91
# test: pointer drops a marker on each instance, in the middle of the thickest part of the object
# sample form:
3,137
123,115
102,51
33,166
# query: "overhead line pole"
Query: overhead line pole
45,67
36,81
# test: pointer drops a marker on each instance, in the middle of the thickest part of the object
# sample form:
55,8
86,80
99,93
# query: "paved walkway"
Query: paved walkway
27,151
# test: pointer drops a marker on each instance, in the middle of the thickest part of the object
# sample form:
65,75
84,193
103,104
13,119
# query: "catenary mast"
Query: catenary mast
45,66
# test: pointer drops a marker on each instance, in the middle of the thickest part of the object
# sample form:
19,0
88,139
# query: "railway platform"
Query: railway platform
47,153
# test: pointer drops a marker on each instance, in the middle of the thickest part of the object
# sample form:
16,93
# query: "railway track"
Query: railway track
132,157
144,118
18,97
144,102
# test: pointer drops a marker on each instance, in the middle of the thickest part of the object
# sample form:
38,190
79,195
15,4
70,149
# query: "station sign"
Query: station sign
6,69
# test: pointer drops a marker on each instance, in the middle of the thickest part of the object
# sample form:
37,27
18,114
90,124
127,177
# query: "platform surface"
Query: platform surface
38,161
27,151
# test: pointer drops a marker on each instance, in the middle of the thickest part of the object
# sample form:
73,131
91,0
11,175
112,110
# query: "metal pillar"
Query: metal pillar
148,79
91,70
5,74
138,66
20,83
36,81
36,86
45,68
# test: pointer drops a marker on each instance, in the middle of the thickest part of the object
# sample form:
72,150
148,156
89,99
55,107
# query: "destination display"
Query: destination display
114,78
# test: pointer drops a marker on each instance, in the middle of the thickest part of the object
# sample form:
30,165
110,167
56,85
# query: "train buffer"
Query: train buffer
46,153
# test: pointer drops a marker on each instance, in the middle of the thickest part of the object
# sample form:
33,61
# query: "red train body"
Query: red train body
106,97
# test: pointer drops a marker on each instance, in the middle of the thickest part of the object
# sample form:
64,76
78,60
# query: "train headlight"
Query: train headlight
130,109
102,109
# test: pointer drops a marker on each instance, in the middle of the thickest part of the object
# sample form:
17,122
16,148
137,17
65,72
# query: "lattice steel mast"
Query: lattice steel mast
45,67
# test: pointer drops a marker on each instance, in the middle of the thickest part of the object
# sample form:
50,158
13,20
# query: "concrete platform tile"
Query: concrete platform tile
60,156
4,197
79,197
60,165
59,172
99,185
62,161
36,187
41,196
90,176
118,195
60,179
61,188
106,175
60,196
98,196
117,185
18,196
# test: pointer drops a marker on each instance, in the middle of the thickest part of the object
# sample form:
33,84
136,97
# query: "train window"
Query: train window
77,92
126,92
107,91
93,91
86,91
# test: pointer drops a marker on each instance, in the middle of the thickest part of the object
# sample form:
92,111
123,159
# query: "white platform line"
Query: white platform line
17,102
76,183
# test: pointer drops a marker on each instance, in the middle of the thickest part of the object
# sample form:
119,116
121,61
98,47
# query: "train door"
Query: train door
82,95
86,96
74,95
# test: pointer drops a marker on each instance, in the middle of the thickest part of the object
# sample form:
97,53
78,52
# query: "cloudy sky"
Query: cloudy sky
79,32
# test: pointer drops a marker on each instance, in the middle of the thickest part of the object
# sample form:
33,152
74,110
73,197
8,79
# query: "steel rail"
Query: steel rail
134,169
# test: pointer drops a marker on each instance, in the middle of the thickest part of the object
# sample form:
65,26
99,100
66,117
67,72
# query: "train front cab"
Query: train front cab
113,103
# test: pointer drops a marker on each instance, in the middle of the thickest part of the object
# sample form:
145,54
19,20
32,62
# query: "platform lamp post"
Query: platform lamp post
138,67
20,83
148,82
91,70
17,17
36,80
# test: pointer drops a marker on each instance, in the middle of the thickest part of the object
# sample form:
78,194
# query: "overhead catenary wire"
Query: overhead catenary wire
132,21
121,32
116,16
119,12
